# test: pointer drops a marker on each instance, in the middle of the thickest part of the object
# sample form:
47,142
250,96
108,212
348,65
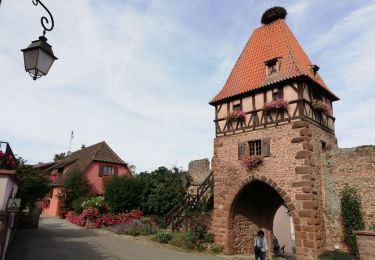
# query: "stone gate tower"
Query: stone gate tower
273,108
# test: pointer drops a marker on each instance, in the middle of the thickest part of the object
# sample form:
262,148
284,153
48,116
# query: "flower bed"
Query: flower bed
93,216
251,162
74,218
320,106
276,105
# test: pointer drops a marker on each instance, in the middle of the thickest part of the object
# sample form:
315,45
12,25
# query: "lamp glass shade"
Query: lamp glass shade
45,61
30,58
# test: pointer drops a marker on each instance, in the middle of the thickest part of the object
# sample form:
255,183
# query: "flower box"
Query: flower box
320,106
276,105
251,162
237,115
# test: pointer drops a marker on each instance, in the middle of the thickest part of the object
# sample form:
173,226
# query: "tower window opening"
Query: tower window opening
255,147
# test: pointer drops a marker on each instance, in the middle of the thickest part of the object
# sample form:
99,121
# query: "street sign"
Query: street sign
14,205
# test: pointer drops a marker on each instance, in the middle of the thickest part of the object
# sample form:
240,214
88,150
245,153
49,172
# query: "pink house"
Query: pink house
97,162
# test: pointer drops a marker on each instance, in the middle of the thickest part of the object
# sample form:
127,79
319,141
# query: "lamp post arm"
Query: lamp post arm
44,20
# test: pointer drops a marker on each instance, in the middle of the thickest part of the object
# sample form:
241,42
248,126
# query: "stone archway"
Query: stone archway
252,206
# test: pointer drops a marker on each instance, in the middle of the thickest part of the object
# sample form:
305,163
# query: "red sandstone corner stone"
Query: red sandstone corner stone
309,243
304,196
303,170
304,183
306,213
303,154
299,124
305,132
300,139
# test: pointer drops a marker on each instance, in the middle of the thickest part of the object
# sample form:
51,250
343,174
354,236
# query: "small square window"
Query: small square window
255,147
107,171
237,107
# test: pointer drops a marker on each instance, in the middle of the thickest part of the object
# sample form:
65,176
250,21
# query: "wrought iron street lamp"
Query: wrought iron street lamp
38,56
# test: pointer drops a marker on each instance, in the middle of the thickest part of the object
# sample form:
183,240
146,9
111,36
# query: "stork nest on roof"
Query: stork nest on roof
273,14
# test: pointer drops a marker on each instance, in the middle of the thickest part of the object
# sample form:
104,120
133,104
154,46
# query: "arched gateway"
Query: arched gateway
253,207
273,120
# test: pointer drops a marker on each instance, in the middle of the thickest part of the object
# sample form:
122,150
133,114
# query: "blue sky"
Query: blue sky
140,74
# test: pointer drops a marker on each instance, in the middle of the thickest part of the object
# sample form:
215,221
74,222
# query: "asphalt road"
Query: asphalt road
57,239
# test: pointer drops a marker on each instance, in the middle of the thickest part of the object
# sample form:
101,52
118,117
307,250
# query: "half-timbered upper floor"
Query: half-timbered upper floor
300,99
273,82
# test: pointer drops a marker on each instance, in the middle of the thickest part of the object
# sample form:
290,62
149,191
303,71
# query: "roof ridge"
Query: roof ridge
97,150
295,60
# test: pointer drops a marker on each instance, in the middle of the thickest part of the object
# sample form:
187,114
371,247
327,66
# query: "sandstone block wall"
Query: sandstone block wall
353,166
293,170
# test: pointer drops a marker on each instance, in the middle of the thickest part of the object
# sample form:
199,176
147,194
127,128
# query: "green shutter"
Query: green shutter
266,147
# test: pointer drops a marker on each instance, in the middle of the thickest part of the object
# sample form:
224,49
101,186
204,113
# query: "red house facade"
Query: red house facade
97,162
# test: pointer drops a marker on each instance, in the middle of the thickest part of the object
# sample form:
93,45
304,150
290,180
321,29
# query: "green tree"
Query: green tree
75,185
59,156
122,193
33,184
161,190
351,214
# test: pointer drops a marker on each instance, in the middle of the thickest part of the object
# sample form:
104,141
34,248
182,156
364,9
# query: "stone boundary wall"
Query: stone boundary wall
366,244
353,166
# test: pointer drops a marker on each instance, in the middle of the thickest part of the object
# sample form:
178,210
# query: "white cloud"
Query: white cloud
140,75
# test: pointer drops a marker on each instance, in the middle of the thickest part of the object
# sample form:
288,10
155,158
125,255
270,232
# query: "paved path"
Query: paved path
57,239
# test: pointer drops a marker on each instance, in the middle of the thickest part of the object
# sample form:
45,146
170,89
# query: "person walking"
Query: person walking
260,246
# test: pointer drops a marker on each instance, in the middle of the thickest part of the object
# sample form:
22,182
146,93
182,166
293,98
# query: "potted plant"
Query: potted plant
251,162
276,105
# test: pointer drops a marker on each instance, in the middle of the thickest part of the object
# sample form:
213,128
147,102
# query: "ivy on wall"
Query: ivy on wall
351,215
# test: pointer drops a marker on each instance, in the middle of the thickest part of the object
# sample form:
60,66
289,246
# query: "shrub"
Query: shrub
95,202
336,255
183,240
161,190
33,184
75,185
77,204
135,227
351,214
372,227
163,237
122,193
209,238
217,248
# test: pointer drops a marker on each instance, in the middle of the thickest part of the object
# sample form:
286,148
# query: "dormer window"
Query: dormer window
272,66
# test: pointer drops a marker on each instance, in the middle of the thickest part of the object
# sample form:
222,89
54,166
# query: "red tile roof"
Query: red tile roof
274,40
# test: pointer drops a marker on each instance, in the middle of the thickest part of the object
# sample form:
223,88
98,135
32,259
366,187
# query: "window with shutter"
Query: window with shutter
255,147
107,171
